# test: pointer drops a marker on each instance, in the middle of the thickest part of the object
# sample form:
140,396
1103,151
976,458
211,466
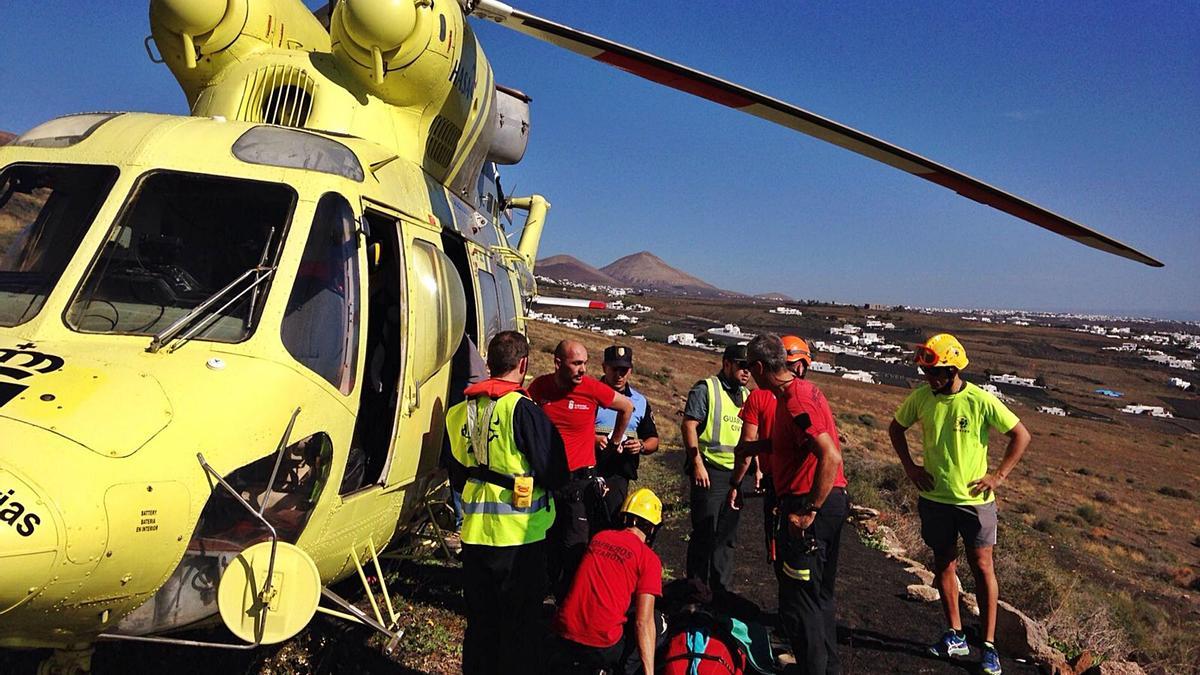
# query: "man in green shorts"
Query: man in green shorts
957,491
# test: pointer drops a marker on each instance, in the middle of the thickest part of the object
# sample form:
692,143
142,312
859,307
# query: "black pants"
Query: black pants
714,531
580,514
807,613
618,490
769,503
503,587
572,658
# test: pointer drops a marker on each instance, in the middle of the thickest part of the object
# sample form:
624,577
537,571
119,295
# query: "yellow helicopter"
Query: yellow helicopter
228,340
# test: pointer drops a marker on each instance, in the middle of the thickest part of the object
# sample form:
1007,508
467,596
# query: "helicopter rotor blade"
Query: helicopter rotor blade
697,83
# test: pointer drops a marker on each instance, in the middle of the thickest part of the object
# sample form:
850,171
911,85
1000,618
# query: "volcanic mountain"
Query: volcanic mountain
648,271
573,269
5,137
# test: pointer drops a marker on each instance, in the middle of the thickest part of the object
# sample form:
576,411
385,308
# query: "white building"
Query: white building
859,376
791,311
1151,410
1052,410
820,367
1178,382
1013,379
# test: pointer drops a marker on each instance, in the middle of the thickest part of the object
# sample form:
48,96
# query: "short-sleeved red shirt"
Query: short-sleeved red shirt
759,409
618,566
801,414
573,412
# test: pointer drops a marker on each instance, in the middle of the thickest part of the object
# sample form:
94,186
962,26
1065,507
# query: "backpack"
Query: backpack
696,651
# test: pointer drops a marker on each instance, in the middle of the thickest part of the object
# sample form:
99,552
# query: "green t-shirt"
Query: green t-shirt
954,430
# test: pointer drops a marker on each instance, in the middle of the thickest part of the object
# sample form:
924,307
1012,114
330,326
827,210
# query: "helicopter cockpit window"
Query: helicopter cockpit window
508,306
182,242
44,212
293,149
320,324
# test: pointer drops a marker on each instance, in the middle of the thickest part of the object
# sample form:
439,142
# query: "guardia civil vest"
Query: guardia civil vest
605,418
723,428
481,435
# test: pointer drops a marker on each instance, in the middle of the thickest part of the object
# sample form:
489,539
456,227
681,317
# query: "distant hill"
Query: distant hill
780,297
5,137
648,271
573,269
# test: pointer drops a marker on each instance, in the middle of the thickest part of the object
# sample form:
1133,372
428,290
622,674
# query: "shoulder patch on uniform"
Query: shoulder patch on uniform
802,420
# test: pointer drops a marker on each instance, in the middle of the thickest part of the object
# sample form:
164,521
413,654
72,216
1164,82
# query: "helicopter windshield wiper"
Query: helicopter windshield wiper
256,275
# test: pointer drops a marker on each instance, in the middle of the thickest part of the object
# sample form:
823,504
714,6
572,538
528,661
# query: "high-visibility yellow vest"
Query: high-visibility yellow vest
481,435
723,428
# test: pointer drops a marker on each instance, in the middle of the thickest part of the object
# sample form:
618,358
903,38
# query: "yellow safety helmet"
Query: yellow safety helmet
644,504
942,350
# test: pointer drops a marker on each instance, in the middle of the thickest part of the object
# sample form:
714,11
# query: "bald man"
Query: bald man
570,398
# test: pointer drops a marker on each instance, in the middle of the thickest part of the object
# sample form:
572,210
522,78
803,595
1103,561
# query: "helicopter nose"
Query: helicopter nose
30,541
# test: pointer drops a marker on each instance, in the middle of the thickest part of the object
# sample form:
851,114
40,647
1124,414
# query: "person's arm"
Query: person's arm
916,473
742,456
624,407
537,437
1018,441
646,442
457,472
829,460
646,632
691,444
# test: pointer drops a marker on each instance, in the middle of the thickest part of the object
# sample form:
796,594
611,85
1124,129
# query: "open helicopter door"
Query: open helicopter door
384,350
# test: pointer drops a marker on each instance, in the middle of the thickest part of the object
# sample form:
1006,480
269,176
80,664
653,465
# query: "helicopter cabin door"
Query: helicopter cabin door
384,345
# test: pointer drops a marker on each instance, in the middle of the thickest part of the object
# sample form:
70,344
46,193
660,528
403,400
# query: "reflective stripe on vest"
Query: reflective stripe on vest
723,428
605,418
481,428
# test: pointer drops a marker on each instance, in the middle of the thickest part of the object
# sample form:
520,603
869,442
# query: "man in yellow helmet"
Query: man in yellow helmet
957,490
507,457
618,570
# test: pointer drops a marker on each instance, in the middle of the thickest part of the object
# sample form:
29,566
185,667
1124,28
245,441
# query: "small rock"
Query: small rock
863,513
1083,662
969,603
1022,637
921,573
923,593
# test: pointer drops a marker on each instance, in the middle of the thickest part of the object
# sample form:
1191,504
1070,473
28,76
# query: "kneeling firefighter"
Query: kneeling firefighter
619,575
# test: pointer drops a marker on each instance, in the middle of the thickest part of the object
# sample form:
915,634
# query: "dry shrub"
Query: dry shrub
1083,620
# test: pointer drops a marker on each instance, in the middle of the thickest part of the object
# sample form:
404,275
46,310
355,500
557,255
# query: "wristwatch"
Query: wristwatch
809,507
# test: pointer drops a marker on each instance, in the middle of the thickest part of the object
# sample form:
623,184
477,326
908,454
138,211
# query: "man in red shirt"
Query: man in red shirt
758,413
618,571
806,460
570,398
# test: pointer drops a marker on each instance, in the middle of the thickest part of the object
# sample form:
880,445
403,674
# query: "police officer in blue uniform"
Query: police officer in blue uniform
641,435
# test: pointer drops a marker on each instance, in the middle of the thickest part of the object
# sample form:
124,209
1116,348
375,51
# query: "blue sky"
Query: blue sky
1088,109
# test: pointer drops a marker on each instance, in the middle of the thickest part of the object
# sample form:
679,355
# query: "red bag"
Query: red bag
698,652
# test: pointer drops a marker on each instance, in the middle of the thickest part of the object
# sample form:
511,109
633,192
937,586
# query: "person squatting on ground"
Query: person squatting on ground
957,491
641,435
570,398
507,457
758,414
806,462
619,572
711,429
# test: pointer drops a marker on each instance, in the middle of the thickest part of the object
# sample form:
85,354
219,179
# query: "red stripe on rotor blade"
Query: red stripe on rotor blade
976,192
596,304
668,78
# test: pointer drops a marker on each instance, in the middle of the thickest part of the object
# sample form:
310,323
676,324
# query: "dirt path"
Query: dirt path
879,631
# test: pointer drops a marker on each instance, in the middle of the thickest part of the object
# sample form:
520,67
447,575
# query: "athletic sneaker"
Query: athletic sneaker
991,660
951,644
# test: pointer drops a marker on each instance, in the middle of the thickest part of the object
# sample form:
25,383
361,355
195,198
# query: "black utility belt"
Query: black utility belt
486,475
796,503
585,473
